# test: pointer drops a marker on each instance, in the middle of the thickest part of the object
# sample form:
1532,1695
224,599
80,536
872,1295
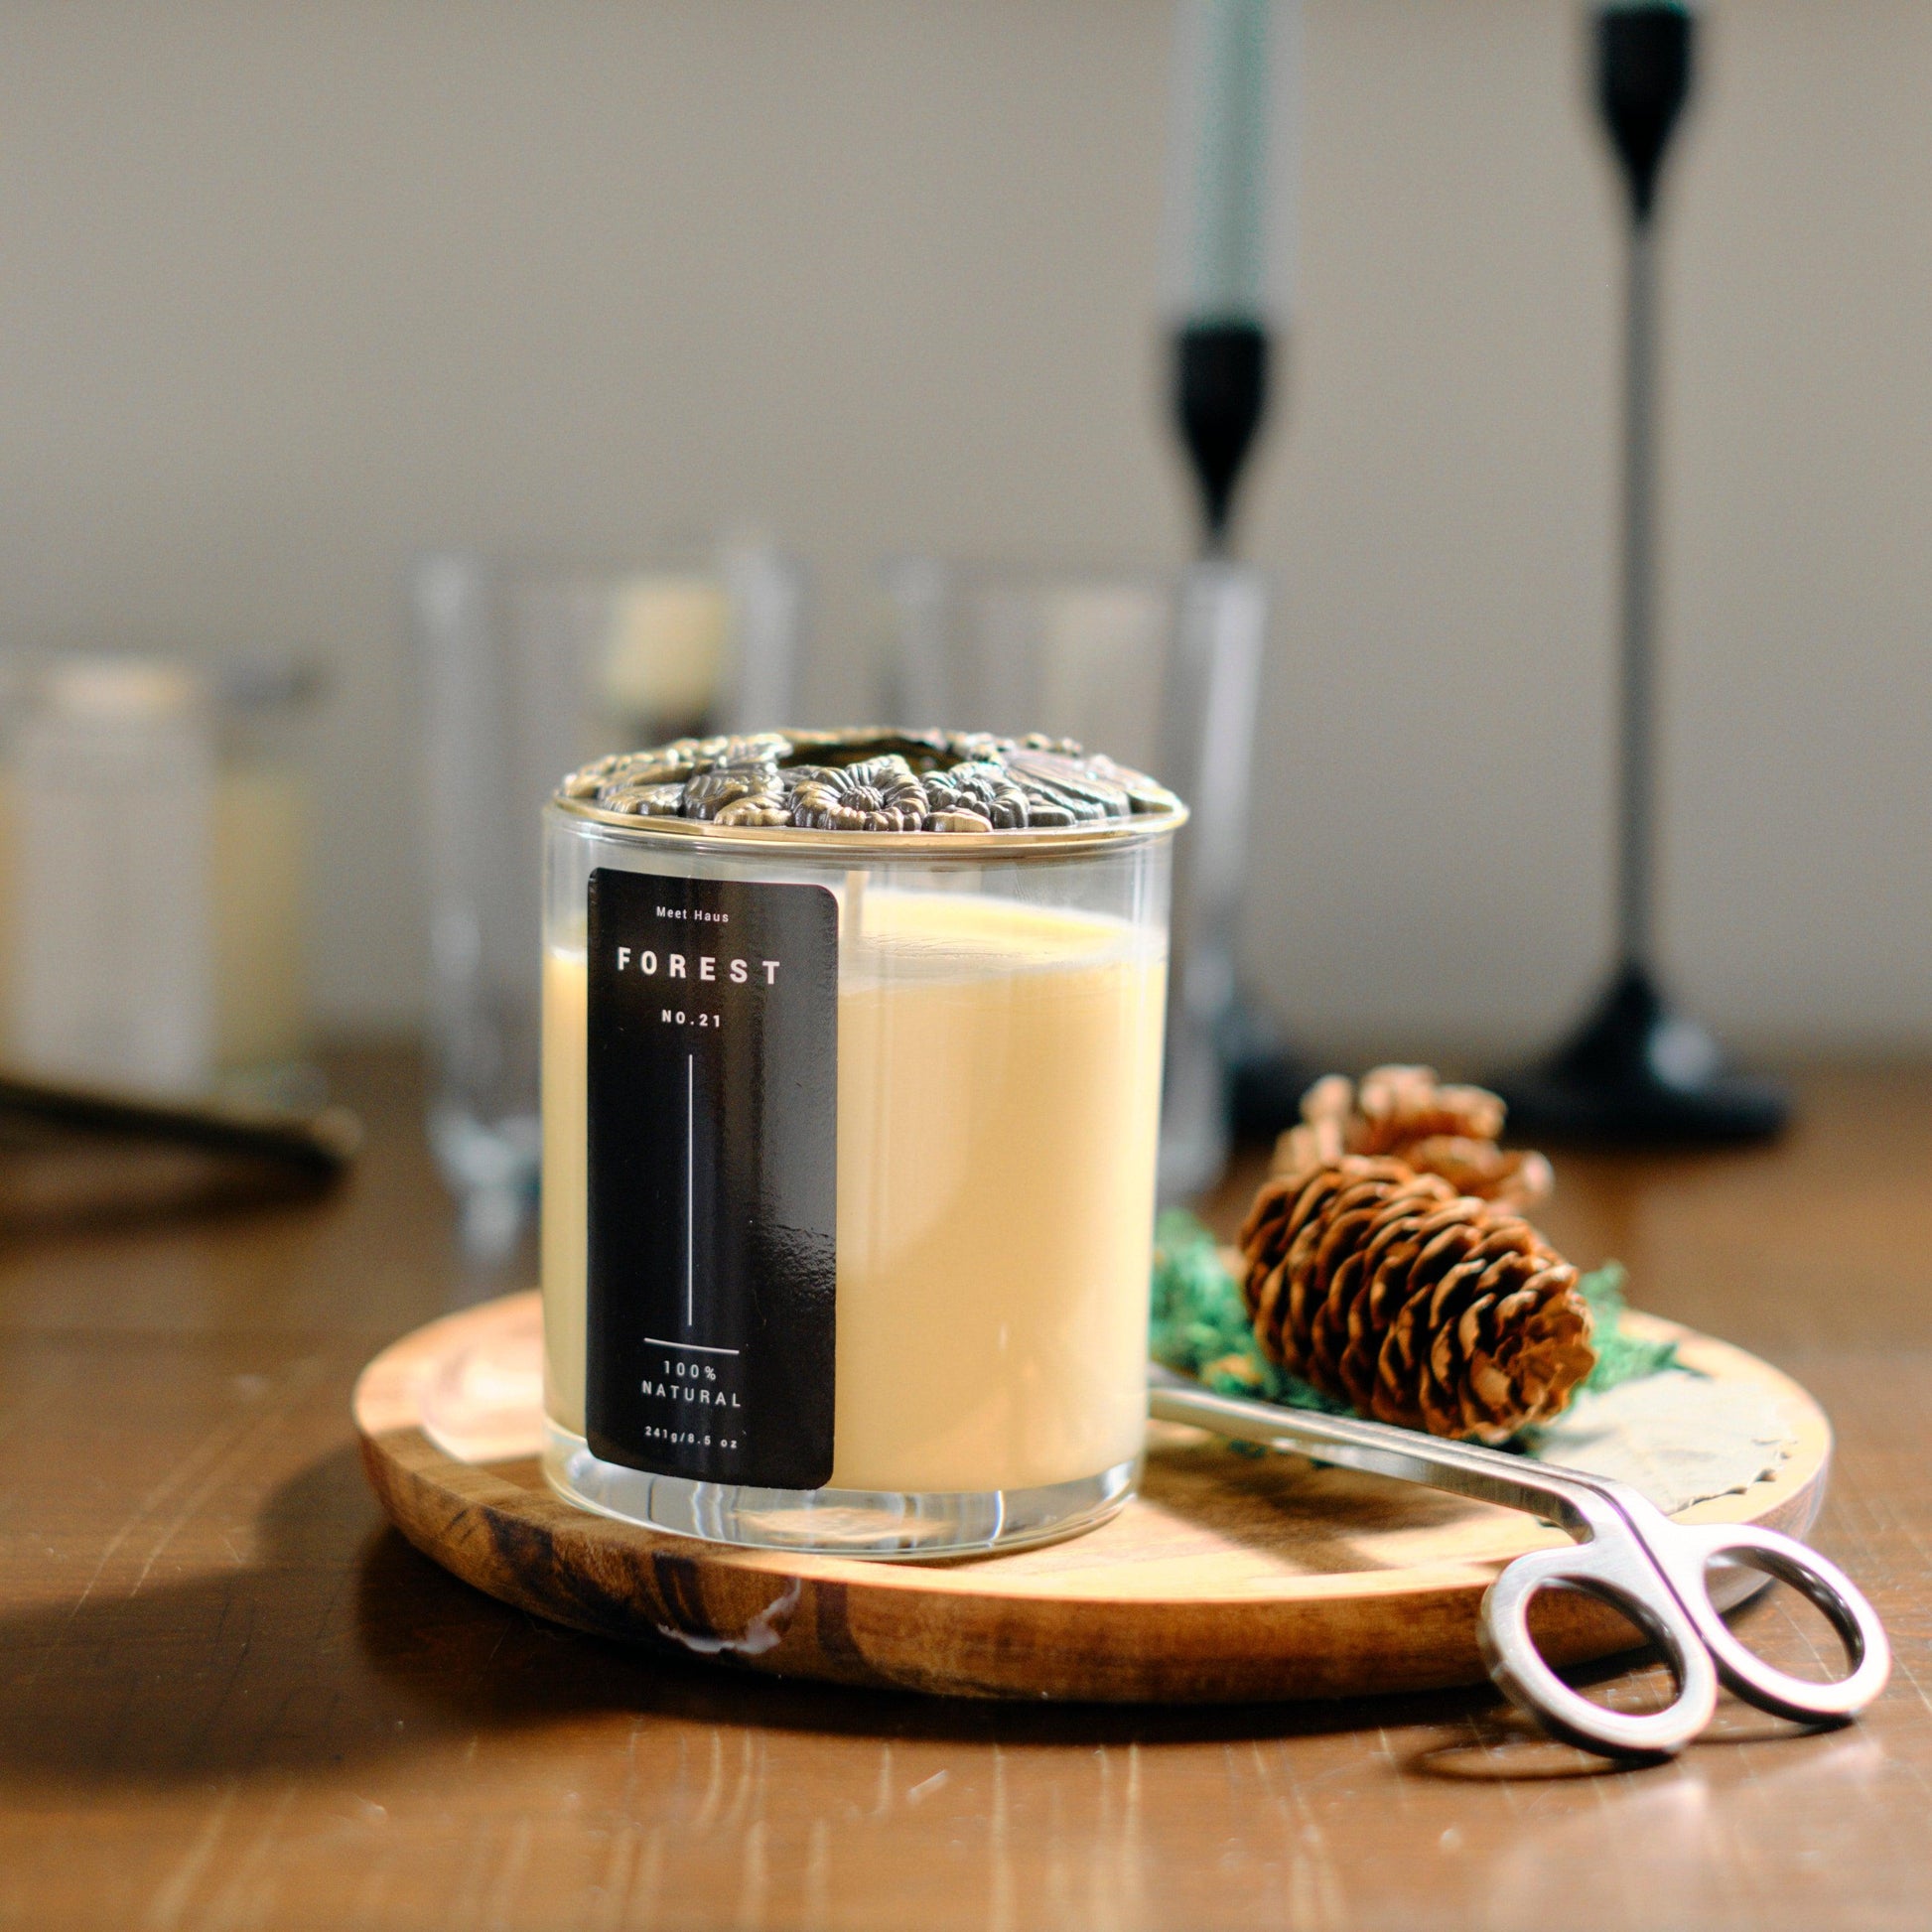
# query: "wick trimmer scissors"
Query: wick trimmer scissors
1627,1553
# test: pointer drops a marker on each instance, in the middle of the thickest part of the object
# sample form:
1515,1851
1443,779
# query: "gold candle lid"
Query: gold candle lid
876,780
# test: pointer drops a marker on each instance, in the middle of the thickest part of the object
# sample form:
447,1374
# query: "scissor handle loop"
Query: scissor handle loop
1620,1575
1685,1552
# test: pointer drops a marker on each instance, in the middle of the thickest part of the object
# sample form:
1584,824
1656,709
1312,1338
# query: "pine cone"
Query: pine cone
1399,1105
1406,1112
1413,1304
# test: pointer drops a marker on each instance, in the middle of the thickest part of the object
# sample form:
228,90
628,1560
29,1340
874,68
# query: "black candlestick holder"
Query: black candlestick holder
1639,1072
1221,396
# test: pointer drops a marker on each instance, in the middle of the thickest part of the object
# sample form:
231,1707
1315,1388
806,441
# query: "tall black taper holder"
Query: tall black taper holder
1221,396
1639,1072
1221,372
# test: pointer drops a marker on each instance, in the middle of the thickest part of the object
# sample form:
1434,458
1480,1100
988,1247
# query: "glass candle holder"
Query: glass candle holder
1165,669
526,666
849,1138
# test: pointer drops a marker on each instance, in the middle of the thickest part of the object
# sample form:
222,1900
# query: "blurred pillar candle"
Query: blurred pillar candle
151,914
113,810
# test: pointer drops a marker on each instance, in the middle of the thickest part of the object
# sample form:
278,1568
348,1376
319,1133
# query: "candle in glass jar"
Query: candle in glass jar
999,1074
849,1166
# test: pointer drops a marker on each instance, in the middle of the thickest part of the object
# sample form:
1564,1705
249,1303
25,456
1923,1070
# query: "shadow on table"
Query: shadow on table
56,1184
338,1644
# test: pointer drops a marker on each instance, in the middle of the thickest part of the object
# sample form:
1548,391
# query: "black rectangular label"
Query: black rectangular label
714,1059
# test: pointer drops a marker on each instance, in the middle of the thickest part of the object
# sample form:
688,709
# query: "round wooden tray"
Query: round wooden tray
1227,1578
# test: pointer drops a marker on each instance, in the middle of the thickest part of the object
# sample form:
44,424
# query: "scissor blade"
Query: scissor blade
1381,1449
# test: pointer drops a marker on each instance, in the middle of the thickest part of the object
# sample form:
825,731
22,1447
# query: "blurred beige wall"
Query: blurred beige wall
287,291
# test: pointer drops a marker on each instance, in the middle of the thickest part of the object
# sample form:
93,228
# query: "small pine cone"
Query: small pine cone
1509,1178
1400,1105
1326,1109
1408,1114
1418,1306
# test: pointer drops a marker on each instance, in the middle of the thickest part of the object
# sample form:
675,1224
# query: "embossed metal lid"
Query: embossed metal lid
879,783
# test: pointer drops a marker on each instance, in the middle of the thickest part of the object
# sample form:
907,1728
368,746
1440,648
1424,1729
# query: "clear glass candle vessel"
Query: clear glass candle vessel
849,1146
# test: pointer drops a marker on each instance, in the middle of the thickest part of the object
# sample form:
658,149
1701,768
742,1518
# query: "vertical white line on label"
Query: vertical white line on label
690,1169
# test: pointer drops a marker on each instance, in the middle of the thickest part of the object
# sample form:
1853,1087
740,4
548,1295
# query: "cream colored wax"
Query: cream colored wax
999,1094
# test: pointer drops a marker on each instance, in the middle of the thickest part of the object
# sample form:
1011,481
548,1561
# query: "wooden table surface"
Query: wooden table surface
229,1697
